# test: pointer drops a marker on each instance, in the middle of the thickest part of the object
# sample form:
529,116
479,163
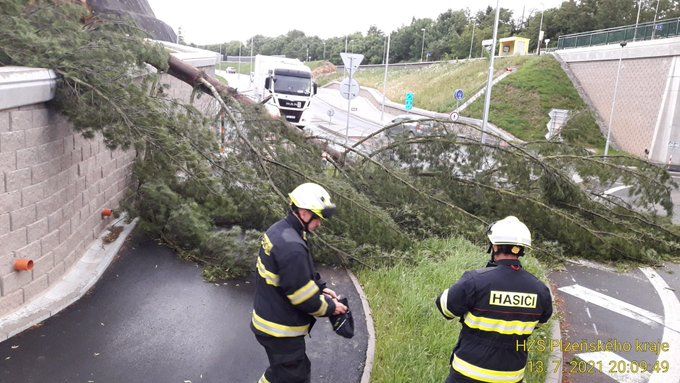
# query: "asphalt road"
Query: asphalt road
152,318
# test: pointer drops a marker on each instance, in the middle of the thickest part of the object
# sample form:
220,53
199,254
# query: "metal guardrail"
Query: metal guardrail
644,31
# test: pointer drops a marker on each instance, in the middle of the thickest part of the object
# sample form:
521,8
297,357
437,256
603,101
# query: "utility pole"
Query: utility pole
489,83
345,43
324,51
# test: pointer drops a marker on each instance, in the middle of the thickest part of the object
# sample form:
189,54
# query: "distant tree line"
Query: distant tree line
450,35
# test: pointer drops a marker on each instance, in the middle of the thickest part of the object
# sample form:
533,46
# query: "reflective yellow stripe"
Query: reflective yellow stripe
322,309
263,379
303,293
500,326
278,330
266,244
485,375
443,300
269,277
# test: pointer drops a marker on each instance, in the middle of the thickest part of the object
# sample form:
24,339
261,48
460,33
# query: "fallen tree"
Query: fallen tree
187,182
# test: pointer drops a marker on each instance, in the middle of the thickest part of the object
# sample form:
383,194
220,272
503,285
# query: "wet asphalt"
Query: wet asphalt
152,318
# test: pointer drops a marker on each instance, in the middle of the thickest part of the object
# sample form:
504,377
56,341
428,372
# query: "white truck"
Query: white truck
285,86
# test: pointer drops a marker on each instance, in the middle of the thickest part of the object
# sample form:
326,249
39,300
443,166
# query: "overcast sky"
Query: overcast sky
212,21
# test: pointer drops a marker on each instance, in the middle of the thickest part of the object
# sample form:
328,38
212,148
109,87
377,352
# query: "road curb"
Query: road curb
370,349
71,287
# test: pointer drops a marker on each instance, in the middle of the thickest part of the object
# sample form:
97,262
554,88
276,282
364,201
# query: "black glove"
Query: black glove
343,324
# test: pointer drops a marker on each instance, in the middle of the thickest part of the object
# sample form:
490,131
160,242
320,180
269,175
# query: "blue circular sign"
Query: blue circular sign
458,94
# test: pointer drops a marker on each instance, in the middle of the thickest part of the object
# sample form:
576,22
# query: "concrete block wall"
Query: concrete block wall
646,115
54,183
642,83
53,188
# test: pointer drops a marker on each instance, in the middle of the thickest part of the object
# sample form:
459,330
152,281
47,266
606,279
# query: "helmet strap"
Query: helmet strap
492,261
296,212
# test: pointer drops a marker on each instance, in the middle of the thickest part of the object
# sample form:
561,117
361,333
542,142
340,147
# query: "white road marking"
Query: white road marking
592,265
573,279
671,331
613,304
595,328
588,312
612,365
615,189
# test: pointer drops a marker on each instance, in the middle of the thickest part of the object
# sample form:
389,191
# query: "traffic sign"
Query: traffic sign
409,101
349,90
351,61
454,116
458,94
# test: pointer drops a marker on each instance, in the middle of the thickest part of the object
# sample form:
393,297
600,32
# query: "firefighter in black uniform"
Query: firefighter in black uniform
289,292
499,307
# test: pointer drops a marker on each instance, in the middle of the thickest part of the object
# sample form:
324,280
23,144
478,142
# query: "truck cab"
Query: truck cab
285,87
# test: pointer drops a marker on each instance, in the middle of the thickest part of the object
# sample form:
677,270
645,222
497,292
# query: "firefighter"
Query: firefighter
289,292
499,307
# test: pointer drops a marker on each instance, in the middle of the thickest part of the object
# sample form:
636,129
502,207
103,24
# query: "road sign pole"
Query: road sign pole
349,101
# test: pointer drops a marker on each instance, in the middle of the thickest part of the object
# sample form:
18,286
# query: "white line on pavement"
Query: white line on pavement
592,265
615,189
595,328
588,312
671,331
613,304
614,366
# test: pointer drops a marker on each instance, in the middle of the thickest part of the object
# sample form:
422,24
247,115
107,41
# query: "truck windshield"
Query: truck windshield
292,85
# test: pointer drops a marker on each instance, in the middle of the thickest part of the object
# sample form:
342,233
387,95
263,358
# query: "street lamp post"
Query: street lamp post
611,113
422,46
472,40
637,20
540,29
656,12
489,83
387,62
240,44
251,57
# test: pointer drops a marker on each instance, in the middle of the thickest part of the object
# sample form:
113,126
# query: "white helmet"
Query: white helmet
509,231
314,198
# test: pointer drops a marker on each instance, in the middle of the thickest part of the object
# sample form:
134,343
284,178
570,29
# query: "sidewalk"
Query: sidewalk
152,318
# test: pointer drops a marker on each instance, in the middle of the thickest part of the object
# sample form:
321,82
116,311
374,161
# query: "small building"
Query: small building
513,46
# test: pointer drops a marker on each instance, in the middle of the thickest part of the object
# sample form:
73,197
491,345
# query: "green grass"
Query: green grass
244,68
413,340
433,86
520,104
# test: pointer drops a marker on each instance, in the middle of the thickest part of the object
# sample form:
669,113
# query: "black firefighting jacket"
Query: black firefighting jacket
288,291
499,307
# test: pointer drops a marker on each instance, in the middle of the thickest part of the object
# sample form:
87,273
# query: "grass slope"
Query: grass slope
414,341
520,104
433,86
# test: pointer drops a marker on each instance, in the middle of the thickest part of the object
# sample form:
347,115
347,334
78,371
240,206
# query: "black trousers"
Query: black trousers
457,377
288,362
